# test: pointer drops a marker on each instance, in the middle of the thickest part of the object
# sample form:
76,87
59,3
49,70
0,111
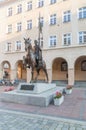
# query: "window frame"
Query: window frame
81,13
53,19
64,66
83,37
41,20
40,3
41,42
18,45
9,28
29,5
53,1
19,27
52,41
83,65
9,11
8,47
67,16
19,8
67,39
29,24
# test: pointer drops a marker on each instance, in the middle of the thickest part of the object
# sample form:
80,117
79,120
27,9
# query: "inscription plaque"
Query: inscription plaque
27,87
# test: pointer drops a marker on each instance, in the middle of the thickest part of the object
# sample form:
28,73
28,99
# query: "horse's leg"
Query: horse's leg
46,73
37,70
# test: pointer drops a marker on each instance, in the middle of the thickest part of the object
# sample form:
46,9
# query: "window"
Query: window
82,37
9,28
67,16
82,13
10,11
6,66
41,20
8,46
29,5
19,26
18,45
83,65
53,19
64,66
40,3
67,39
19,8
52,1
29,24
41,42
52,41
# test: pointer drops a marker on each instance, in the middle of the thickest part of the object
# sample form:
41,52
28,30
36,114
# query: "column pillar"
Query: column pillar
1,74
49,71
28,75
13,74
71,76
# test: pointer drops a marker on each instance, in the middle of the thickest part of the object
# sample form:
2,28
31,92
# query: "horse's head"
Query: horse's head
27,43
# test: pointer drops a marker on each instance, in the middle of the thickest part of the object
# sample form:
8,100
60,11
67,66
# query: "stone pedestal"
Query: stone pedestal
40,94
35,88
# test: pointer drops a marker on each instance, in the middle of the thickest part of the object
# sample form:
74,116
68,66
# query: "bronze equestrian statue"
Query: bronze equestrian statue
37,52
33,59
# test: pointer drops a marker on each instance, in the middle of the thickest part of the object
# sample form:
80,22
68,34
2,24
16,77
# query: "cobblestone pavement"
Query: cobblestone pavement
14,120
71,115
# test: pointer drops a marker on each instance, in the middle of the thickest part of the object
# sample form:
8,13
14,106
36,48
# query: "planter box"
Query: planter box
58,101
68,91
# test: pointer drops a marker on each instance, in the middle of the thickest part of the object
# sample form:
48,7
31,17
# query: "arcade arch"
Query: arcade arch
20,70
6,69
60,70
80,69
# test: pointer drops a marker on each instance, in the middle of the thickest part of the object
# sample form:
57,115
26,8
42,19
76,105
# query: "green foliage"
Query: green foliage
58,95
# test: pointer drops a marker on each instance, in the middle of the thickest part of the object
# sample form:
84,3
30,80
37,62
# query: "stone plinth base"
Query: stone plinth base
35,88
43,98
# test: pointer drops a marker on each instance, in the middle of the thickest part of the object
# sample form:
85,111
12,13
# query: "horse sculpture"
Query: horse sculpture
29,61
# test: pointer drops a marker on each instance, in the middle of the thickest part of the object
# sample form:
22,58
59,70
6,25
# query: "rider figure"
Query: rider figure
37,52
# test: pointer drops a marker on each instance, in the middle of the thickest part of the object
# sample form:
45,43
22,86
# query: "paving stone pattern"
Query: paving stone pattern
27,117
14,120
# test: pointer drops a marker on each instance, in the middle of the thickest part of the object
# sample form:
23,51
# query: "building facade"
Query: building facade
63,38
